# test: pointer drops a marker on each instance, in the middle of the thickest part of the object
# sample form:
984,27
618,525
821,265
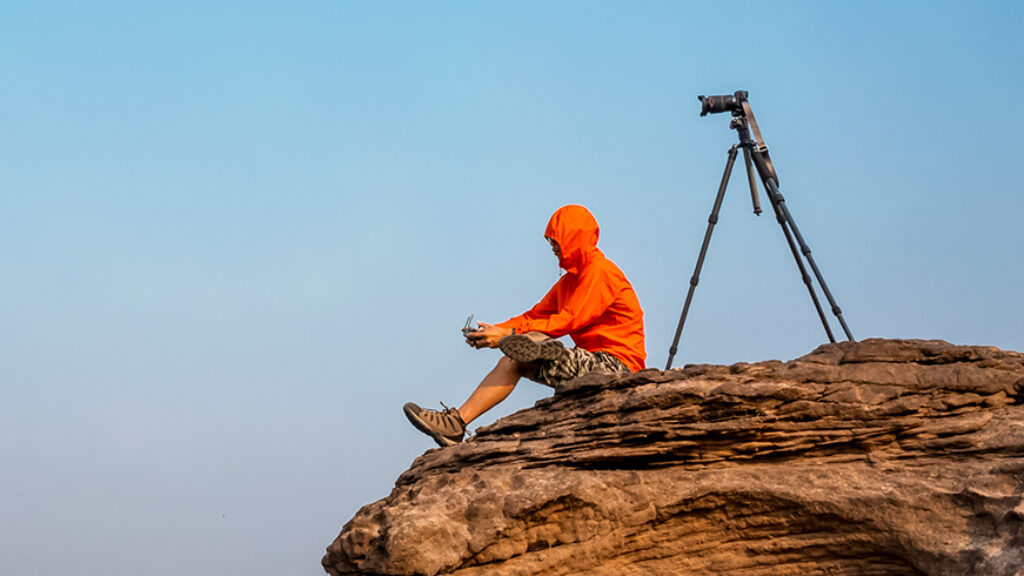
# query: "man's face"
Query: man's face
554,247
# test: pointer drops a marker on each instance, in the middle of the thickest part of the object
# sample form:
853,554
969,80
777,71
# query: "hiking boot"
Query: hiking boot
521,348
444,426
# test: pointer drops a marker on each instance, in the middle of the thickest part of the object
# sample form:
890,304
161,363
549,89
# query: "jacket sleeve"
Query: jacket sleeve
546,307
594,293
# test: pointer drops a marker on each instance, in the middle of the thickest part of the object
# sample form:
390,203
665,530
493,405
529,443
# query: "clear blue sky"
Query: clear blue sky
235,237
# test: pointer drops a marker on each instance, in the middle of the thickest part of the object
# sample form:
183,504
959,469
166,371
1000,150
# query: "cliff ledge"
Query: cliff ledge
881,457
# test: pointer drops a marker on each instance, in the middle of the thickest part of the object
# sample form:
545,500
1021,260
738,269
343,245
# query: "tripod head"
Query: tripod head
743,122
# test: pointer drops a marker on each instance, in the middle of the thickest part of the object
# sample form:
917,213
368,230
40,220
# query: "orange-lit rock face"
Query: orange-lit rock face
879,457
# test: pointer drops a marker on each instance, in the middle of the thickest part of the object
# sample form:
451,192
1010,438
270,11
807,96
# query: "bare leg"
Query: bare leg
494,388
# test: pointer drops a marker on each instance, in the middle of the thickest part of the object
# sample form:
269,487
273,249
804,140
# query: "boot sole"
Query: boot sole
522,349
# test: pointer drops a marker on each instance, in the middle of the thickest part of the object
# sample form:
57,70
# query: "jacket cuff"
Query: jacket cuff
520,326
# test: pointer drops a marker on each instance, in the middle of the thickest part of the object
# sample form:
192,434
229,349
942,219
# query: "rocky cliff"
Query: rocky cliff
871,458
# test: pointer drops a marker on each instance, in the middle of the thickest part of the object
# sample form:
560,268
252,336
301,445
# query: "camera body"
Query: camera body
725,103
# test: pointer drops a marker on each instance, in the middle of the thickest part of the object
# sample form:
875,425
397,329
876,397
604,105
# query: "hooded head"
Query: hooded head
576,231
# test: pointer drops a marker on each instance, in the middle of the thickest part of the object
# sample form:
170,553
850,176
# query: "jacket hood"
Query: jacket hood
576,231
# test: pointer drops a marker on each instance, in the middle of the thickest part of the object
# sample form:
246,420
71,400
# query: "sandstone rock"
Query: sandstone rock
881,457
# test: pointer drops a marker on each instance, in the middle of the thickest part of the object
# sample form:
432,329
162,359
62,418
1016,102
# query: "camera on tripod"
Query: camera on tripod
758,164
716,104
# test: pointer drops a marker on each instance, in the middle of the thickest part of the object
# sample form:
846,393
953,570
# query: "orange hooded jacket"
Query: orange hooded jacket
593,303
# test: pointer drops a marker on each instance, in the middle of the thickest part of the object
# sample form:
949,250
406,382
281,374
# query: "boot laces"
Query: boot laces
448,413
446,421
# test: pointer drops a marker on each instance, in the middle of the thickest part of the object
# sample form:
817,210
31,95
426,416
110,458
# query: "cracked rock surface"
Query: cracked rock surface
881,457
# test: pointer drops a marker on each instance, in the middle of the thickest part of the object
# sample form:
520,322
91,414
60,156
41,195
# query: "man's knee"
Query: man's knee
523,369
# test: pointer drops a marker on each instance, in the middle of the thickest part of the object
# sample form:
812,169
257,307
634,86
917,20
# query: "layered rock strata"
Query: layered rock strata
881,457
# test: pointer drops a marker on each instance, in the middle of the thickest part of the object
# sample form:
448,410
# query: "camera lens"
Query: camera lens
716,104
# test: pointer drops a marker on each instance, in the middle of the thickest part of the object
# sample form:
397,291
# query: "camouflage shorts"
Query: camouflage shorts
576,362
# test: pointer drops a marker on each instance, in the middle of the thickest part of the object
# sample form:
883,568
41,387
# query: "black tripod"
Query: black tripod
756,153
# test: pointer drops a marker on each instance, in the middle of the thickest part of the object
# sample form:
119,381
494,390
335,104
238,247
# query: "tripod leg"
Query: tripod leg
800,265
752,182
780,203
712,220
745,138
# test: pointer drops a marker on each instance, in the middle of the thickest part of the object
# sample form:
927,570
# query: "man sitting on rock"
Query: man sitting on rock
593,303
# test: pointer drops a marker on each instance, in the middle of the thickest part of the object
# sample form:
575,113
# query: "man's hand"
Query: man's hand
487,336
